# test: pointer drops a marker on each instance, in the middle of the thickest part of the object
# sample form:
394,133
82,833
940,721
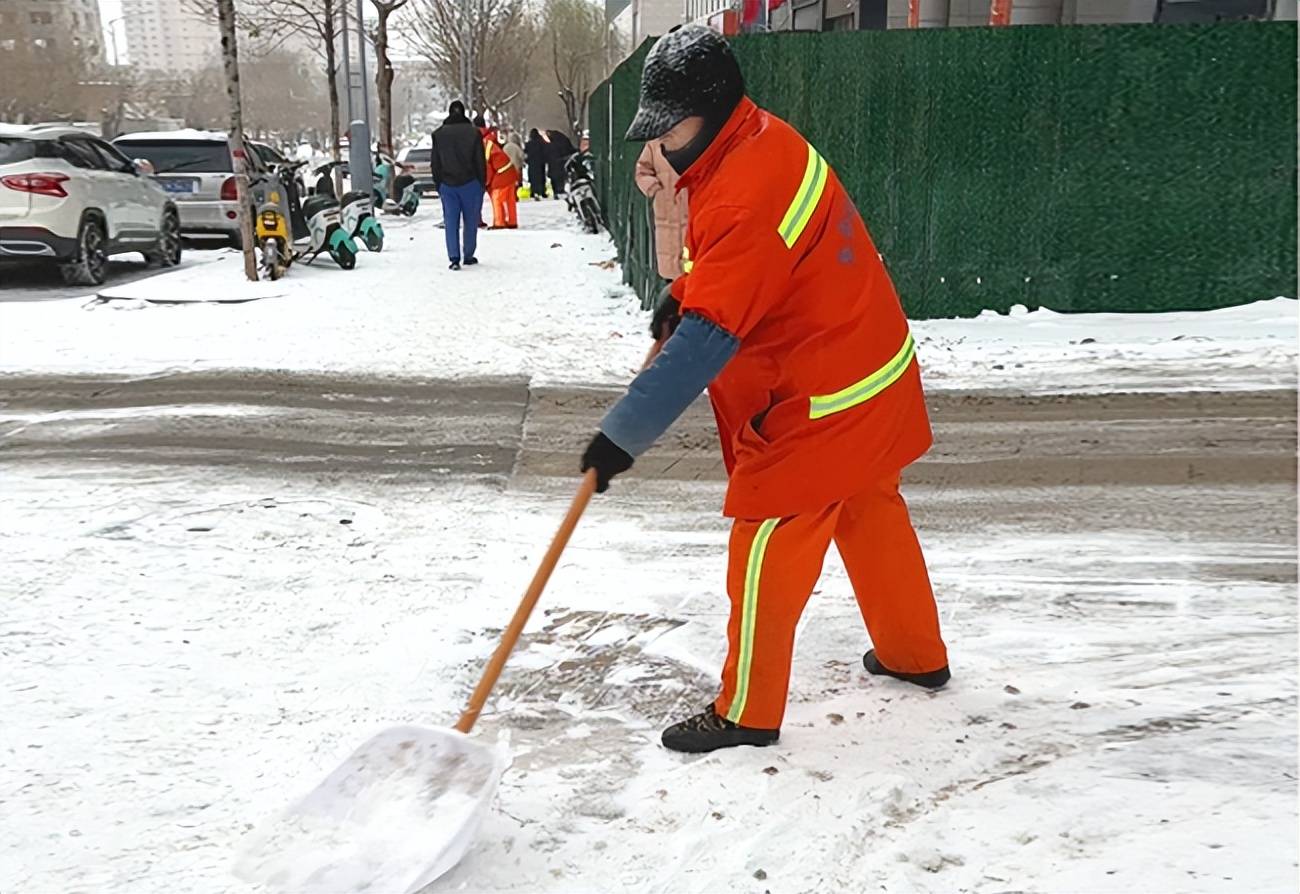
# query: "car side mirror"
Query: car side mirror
143,166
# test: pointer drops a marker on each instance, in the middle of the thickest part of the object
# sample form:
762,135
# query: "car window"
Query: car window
181,156
115,160
13,150
81,154
418,156
269,155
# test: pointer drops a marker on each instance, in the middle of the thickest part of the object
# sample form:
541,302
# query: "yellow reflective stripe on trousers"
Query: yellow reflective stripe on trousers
805,200
865,389
748,616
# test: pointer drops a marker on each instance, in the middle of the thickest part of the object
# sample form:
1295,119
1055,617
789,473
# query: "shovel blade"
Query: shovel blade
398,813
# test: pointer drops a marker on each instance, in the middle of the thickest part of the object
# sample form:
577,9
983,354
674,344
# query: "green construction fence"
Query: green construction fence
1086,168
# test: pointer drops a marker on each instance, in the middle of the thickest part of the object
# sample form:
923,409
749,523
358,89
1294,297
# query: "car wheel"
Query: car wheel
90,264
167,253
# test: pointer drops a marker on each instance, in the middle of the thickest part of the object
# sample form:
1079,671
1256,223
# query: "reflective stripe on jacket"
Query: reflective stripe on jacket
500,171
824,395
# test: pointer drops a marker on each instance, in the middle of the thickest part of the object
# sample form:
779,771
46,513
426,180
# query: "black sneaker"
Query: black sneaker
470,262
707,731
932,680
454,265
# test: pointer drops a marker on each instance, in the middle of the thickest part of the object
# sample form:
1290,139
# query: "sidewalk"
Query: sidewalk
540,305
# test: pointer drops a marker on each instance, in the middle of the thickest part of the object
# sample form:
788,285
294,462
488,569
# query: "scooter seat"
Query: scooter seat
316,204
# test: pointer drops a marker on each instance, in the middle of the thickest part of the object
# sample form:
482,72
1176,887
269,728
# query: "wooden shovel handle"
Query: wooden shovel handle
531,595
652,354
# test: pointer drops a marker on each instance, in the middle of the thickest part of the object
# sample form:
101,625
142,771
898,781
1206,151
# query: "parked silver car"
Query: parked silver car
196,170
419,164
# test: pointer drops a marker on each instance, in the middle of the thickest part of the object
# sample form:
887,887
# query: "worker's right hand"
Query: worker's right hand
607,458
668,313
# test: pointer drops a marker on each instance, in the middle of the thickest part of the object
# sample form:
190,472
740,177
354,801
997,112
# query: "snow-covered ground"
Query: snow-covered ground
187,646
184,653
547,303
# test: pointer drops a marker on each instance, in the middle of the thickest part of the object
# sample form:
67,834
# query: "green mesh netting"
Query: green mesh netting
1115,168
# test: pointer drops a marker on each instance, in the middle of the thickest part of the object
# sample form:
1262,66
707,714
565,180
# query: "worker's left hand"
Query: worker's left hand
607,458
667,315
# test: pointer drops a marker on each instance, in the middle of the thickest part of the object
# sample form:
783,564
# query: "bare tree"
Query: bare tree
384,70
230,56
580,47
41,76
270,24
499,37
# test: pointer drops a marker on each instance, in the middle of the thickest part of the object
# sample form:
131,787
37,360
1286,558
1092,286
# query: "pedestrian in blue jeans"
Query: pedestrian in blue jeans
460,172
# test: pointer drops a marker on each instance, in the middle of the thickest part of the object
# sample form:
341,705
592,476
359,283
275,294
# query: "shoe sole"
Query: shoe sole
932,681
705,749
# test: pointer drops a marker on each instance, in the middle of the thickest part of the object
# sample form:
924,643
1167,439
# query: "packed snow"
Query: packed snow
185,656
547,303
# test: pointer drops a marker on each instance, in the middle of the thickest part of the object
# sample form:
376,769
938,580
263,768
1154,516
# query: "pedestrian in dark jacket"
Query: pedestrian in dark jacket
559,147
460,173
535,155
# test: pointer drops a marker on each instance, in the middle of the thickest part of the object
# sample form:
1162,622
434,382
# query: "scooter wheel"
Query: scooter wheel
590,216
345,257
374,241
408,210
271,263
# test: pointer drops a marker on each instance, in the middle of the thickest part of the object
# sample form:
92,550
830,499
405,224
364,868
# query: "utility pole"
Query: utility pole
359,170
361,55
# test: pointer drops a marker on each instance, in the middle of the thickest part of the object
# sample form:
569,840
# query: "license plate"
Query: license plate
178,185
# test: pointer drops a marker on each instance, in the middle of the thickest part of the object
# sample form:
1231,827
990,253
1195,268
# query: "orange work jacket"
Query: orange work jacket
824,395
500,170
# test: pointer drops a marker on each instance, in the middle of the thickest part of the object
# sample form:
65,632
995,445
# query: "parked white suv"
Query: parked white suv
69,197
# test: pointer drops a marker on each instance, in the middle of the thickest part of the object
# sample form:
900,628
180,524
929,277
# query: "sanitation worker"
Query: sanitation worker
502,181
786,314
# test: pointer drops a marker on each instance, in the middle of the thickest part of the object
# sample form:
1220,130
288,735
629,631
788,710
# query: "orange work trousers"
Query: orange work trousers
772,569
504,208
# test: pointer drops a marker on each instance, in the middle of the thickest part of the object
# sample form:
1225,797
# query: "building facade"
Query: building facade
55,25
636,20
162,36
853,15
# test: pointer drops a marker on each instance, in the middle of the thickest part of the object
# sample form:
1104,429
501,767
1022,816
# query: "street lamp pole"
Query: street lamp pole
111,27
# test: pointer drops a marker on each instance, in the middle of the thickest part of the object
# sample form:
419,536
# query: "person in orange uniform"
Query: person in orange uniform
503,180
787,315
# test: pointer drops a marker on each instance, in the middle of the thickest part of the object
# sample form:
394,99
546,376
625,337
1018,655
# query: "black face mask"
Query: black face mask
681,159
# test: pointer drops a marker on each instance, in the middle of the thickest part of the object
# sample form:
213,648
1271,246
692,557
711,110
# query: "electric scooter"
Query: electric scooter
408,197
317,220
581,196
326,233
359,220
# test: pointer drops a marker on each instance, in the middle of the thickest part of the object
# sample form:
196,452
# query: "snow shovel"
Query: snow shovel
405,806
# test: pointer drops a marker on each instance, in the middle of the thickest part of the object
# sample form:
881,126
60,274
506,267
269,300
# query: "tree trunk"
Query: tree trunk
331,71
384,80
230,56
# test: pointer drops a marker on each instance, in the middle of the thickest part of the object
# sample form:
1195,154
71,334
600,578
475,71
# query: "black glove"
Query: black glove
668,313
607,458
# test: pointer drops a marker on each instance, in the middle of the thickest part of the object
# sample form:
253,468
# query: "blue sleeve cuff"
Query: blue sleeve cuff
691,358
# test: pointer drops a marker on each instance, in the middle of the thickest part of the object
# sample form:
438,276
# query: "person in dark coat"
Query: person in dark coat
558,148
460,173
535,156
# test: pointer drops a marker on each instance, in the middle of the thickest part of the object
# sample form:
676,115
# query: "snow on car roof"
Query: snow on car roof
203,136
42,131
